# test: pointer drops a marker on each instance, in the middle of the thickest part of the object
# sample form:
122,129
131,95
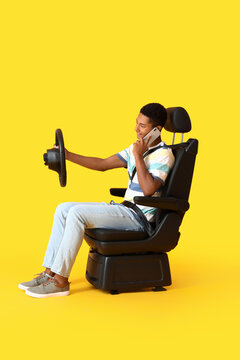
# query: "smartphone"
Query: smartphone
154,133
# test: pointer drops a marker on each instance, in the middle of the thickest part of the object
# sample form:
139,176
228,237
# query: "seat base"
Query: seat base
128,272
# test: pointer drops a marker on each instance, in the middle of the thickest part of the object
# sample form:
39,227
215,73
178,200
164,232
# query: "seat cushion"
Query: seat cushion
102,234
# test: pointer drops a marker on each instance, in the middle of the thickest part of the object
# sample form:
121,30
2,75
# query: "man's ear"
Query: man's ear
159,127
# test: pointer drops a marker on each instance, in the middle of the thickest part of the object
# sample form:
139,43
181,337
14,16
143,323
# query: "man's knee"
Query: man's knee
62,209
78,213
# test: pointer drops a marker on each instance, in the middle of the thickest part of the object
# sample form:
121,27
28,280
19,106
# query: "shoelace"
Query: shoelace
49,281
40,274
39,277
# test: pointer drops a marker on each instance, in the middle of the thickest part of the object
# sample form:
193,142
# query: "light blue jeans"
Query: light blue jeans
70,221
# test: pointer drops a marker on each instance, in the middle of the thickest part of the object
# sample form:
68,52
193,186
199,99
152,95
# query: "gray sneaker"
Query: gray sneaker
50,288
43,277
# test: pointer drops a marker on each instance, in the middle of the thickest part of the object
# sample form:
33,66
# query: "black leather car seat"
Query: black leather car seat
128,260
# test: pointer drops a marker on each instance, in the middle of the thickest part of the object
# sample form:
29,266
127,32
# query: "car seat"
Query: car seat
122,260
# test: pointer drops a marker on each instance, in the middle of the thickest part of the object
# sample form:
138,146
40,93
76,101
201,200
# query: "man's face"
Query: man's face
143,126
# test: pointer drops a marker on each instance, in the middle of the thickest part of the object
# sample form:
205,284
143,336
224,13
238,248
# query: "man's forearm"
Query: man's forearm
146,181
86,161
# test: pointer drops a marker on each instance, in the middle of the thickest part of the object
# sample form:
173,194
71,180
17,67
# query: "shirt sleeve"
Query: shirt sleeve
161,164
124,155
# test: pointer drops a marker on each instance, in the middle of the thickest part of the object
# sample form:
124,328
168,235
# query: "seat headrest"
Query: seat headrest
178,120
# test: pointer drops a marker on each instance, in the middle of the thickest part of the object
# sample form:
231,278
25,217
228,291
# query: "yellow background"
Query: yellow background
87,68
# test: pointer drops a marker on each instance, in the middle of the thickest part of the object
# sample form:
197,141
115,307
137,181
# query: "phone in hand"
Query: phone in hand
154,133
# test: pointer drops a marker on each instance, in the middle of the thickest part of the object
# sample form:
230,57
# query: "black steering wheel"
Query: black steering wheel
55,158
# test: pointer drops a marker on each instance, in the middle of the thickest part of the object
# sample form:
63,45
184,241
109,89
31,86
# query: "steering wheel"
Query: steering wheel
55,158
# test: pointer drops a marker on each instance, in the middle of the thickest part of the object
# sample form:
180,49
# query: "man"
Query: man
71,219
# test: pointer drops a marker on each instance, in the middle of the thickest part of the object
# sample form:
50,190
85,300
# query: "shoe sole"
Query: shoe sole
23,287
63,293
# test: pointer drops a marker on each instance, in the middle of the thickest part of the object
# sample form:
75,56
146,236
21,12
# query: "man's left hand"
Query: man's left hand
140,146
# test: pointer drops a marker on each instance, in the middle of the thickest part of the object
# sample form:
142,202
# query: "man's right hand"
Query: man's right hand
66,151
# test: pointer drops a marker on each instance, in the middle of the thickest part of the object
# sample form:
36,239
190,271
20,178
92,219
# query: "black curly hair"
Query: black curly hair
156,112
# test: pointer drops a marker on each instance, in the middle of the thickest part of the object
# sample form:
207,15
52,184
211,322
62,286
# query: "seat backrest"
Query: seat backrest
178,183
179,180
